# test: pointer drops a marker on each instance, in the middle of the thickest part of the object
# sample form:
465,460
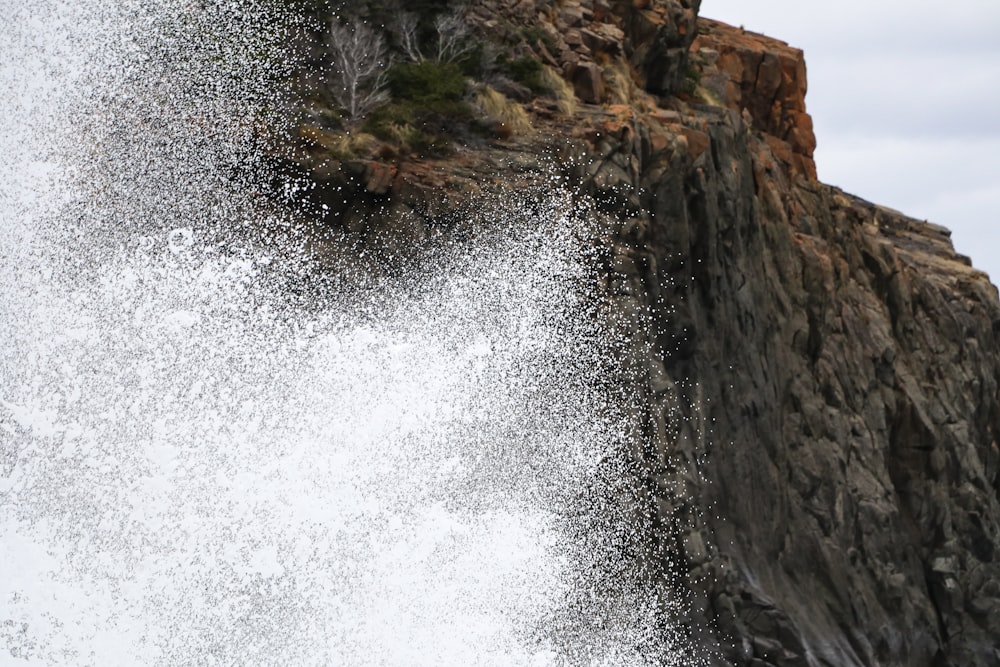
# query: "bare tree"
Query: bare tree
451,30
452,33
406,28
360,64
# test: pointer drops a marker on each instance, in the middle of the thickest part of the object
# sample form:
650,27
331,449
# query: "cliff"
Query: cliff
819,374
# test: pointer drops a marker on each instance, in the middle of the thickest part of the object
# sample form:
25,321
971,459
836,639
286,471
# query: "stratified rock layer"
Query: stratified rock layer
819,376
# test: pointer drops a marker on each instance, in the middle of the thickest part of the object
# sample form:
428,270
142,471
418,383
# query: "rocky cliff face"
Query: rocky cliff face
819,374
846,405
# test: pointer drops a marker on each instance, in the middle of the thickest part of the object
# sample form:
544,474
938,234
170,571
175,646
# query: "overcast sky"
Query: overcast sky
905,95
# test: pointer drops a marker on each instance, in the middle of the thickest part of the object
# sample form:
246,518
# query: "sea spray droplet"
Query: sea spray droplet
180,240
180,320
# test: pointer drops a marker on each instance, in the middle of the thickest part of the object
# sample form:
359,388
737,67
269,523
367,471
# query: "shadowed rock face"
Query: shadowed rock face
845,408
657,38
819,376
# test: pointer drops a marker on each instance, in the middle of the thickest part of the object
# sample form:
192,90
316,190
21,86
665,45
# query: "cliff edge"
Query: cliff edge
819,374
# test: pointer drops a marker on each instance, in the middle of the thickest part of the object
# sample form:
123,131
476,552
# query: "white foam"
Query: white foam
196,472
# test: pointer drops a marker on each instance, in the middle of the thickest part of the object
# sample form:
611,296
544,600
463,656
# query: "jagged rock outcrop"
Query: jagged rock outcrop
766,79
819,376
653,37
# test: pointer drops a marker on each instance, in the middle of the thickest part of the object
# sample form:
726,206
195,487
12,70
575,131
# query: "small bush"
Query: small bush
618,83
430,94
427,107
525,71
426,82
382,121
471,62
534,34
341,146
397,124
692,79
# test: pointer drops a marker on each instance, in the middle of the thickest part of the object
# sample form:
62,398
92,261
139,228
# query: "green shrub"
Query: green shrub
395,123
471,62
427,107
383,121
526,71
692,79
534,34
426,82
432,93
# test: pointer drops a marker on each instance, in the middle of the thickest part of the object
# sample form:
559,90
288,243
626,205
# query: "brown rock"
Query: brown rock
765,78
602,10
665,116
659,141
605,38
658,36
378,177
588,82
571,15
697,142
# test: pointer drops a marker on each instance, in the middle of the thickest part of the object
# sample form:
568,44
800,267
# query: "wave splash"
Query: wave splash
196,469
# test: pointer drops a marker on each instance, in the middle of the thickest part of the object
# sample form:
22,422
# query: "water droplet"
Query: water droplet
179,240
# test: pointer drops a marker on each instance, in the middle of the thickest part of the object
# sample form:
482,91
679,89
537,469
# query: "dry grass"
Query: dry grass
343,146
509,117
618,82
403,134
706,96
560,89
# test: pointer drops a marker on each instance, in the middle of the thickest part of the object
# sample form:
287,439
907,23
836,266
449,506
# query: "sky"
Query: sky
905,97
